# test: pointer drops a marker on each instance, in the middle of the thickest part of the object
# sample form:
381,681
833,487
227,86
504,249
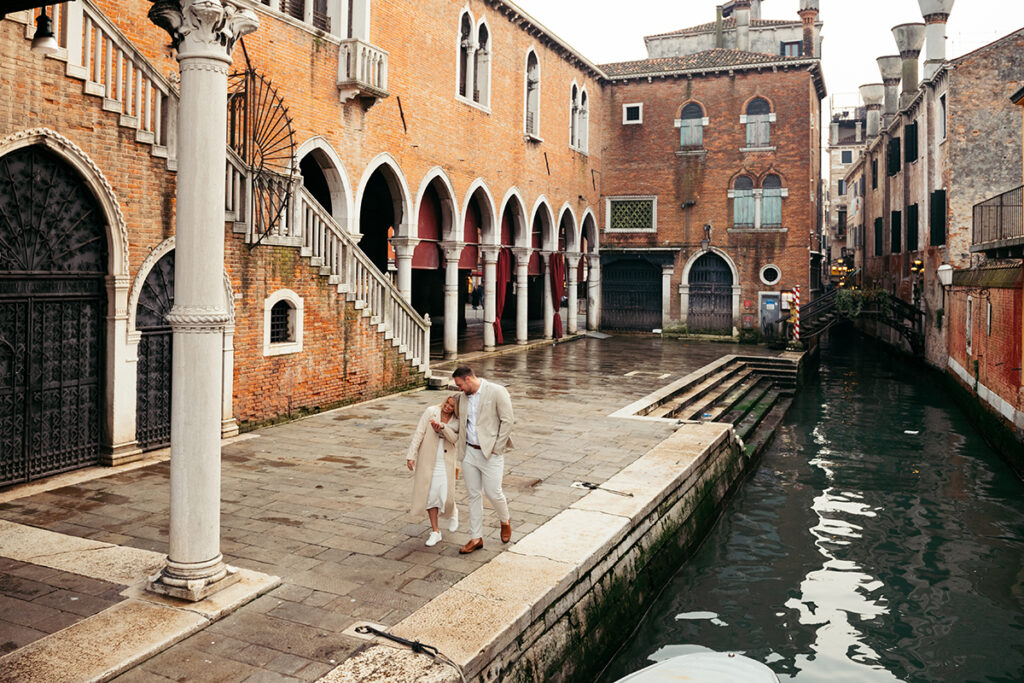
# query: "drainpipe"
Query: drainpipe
809,16
936,14
741,10
909,40
873,94
891,68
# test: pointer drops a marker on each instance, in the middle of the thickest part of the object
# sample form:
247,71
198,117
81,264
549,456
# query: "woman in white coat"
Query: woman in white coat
431,457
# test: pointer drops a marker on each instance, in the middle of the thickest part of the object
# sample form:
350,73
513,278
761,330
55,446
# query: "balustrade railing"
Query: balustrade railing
362,69
112,68
999,218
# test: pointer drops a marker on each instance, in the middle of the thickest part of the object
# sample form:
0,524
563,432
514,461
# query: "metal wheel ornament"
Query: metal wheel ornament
260,133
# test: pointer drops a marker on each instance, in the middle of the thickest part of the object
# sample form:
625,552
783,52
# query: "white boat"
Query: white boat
704,667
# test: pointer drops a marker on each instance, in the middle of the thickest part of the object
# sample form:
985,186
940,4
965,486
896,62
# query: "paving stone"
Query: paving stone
13,636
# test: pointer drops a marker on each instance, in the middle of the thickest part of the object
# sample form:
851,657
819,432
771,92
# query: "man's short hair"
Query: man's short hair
463,371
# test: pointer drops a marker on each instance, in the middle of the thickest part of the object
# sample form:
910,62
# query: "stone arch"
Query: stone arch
589,231
450,215
572,240
488,231
684,285
323,153
464,35
398,186
758,96
514,200
542,209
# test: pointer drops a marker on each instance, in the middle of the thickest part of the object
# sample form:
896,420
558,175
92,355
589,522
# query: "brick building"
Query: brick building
379,154
845,144
712,185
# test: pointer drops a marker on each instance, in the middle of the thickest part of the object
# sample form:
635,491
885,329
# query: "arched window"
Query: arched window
758,120
282,323
482,67
584,118
771,212
743,202
691,130
532,95
574,117
465,50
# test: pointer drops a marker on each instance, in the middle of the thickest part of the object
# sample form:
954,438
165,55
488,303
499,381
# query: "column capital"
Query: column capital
522,254
490,253
203,28
404,246
452,250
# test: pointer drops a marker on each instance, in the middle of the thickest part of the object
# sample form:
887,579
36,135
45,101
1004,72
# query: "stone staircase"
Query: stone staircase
752,393
125,83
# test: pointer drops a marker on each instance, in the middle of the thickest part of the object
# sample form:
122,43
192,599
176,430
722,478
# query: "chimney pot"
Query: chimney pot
909,39
891,69
873,94
936,14
741,11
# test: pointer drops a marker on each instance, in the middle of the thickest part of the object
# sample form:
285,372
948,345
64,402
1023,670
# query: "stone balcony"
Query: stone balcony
362,72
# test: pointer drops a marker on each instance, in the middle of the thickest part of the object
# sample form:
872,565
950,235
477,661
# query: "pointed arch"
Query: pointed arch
520,233
446,193
482,63
589,231
542,211
531,93
400,194
464,40
572,234
488,227
339,186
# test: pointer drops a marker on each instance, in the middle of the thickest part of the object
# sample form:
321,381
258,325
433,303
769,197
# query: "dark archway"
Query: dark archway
710,283
153,383
315,180
377,220
53,260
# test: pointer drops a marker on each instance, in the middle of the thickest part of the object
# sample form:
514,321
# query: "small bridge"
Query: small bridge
827,310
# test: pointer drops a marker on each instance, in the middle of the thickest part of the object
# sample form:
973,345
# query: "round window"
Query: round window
770,275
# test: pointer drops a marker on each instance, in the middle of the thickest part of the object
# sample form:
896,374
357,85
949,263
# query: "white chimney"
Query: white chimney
891,68
741,11
909,40
873,94
936,14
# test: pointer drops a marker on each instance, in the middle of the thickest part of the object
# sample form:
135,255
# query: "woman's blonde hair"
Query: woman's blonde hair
455,399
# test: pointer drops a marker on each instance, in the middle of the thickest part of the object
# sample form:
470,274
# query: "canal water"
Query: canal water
880,539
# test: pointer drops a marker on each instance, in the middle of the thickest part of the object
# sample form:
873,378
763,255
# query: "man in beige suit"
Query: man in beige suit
485,429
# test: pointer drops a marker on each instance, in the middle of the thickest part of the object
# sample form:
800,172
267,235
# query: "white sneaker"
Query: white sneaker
434,538
453,523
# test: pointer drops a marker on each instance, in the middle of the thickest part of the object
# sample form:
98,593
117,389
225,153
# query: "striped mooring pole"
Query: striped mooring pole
796,302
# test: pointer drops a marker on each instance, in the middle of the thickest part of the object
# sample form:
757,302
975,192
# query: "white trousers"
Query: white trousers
483,478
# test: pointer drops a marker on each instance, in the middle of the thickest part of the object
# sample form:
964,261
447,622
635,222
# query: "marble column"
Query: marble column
549,307
572,264
594,292
451,300
522,295
666,295
404,248
204,33
490,255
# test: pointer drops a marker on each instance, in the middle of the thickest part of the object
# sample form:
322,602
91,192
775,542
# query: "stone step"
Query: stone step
746,403
727,400
765,432
713,404
747,426
695,391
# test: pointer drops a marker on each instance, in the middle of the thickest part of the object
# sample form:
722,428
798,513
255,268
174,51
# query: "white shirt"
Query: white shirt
473,402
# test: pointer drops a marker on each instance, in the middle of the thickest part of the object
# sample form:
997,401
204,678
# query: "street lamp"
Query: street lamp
705,243
44,42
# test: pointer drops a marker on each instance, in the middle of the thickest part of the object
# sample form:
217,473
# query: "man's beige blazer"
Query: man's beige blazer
494,420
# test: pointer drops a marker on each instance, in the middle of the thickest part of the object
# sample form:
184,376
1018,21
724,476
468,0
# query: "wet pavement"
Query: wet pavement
323,503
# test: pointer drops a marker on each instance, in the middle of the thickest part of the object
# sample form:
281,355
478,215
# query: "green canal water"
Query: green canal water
879,539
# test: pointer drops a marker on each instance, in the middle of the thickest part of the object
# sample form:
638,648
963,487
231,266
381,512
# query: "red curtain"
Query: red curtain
557,289
503,275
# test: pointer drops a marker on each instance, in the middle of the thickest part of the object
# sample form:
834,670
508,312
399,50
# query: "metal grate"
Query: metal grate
999,218
279,315
632,215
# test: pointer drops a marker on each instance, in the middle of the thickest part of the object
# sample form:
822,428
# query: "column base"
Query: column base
121,454
489,348
522,342
180,581
228,428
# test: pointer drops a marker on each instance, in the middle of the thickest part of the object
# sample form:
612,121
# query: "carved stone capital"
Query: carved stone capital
198,319
203,28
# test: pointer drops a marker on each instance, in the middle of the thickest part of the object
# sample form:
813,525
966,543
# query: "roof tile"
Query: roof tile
708,59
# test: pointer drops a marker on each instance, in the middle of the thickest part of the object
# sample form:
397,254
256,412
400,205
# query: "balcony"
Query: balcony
999,225
362,72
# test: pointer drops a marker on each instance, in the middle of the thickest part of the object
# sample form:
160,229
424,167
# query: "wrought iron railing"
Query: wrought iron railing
999,218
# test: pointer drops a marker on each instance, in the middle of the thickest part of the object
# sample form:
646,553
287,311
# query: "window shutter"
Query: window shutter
937,218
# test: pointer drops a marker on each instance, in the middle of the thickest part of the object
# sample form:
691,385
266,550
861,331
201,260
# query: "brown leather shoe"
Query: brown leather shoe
474,544
506,531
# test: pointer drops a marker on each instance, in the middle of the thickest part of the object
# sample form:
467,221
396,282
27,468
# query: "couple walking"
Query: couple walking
472,427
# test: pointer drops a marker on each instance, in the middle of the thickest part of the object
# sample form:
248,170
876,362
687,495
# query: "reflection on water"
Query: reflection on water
879,540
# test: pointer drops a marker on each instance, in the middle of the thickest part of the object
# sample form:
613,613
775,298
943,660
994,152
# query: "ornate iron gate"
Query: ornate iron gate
710,296
153,387
53,256
631,292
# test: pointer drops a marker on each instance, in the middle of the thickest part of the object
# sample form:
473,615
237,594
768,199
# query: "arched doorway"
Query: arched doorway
315,180
153,383
433,223
710,306
380,215
632,295
589,271
52,311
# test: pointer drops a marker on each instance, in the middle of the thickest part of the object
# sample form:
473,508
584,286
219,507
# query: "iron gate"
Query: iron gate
53,256
710,296
631,293
153,386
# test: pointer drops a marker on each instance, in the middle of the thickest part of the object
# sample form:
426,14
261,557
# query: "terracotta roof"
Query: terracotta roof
717,58
727,24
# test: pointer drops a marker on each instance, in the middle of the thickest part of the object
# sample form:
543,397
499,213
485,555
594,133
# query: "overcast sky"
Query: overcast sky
855,31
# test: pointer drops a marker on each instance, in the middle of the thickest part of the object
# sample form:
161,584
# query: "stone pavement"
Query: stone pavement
322,503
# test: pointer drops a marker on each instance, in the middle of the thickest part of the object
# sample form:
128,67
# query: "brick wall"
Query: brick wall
642,160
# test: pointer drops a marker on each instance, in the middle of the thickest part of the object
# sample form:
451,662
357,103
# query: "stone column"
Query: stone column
572,264
451,300
490,255
549,307
522,294
666,295
594,292
404,247
204,33
758,197
228,423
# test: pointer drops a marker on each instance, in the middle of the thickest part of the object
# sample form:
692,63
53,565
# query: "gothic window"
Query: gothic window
282,323
584,120
691,129
743,202
771,198
574,116
758,120
465,52
532,123
482,67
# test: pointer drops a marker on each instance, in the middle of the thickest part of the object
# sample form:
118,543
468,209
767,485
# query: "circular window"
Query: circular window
770,275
